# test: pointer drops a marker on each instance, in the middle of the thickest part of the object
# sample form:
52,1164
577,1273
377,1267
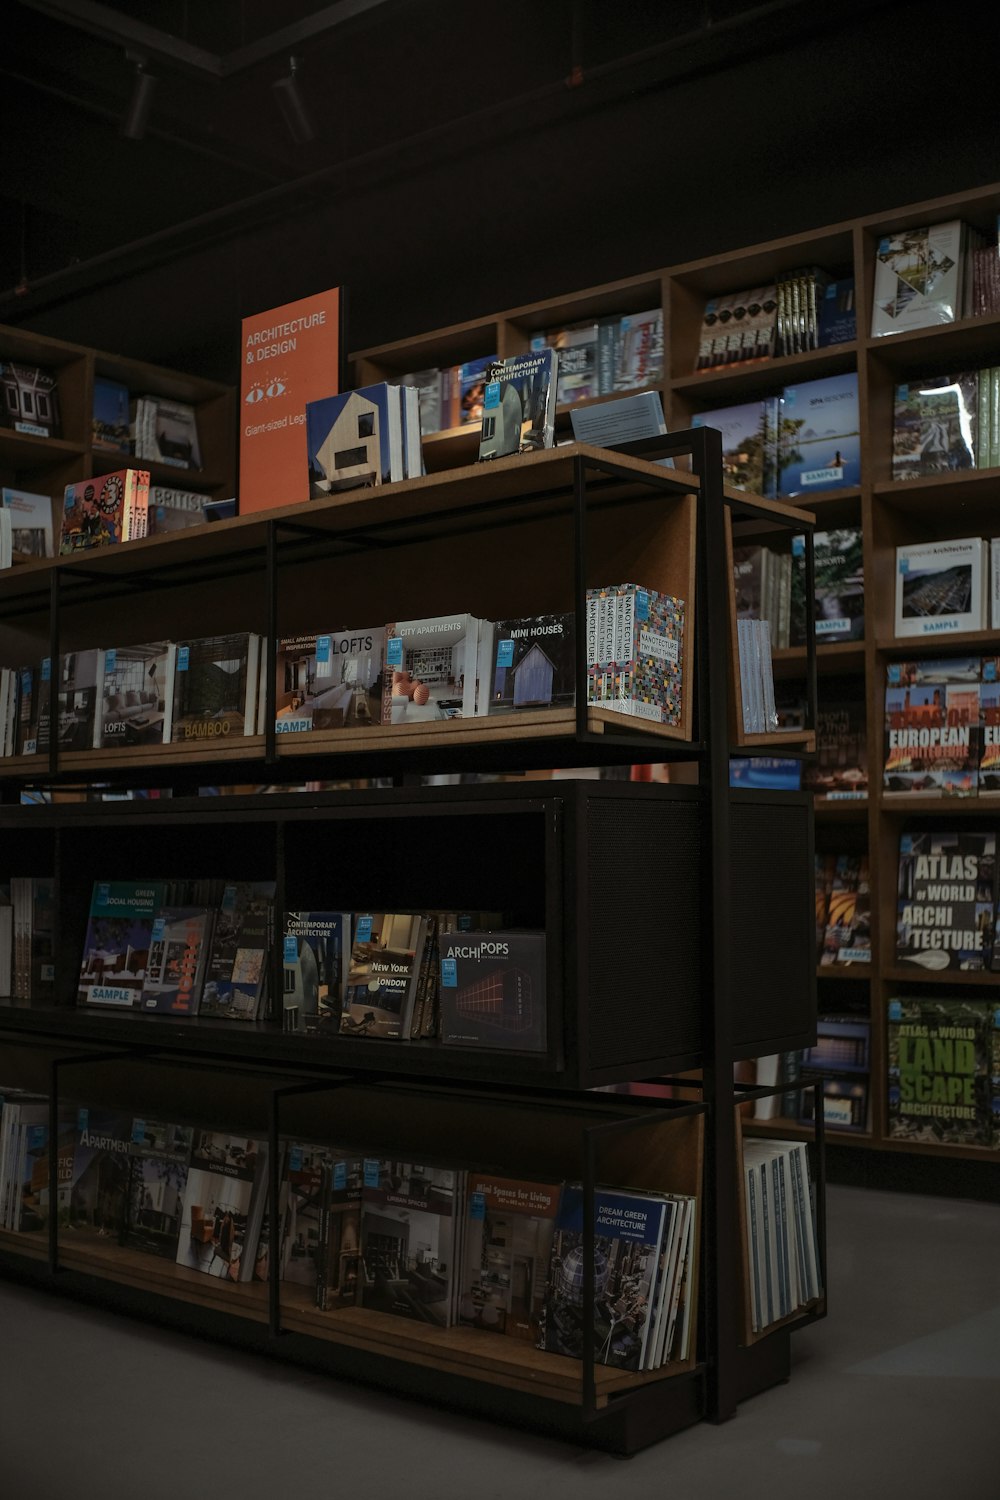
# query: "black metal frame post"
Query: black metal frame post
53,674
580,589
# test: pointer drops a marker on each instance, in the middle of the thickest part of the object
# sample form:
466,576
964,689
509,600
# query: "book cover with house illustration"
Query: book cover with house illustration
528,663
354,440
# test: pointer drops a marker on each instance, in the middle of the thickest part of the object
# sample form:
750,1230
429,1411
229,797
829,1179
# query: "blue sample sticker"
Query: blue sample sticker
371,1171
641,604
895,1010
363,930
505,654
159,928
183,658
110,657
295,1159
339,1176
492,397
449,974
477,1205
290,950
82,1119
322,650
464,922
394,651
46,668
37,1136
138,1132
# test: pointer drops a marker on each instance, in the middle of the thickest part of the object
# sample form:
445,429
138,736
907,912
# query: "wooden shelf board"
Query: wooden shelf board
855,972
797,739
955,342
464,1351
506,728
728,384
905,974
973,490
836,656
796,1130
905,804
985,1154
915,647
840,810
24,451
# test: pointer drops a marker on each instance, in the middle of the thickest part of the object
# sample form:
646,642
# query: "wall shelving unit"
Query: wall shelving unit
648,895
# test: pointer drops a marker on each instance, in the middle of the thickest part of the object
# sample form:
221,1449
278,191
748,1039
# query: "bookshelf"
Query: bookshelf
583,859
45,465
888,512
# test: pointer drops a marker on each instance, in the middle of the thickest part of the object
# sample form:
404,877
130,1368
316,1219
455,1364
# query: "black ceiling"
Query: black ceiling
464,157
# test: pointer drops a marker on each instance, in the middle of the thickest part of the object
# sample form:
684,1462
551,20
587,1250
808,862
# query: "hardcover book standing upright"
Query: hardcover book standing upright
178,956
315,953
748,443
158,1170
506,1252
31,522
236,977
634,652
819,444
355,439
136,696
528,663
918,278
329,681
224,1201
932,726
940,1069
107,509
430,669
946,899
215,688
382,976
408,1235
116,948
493,990
519,405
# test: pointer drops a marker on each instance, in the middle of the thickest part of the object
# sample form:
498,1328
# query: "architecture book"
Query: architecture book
338,1260
224,1201
932,726
105,510
918,278
136,696
409,1229
175,510
749,436
215,688
936,425
178,957
989,711
160,1154
329,681
626,420
94,1191
519,404
111,416
30,399
31,522
506,1251
529,662
235,987
493,990
116,946
430,669
382,975
291,355
941,587
946,900
316,951
635,640
819,443
76,694
355,439
940,1067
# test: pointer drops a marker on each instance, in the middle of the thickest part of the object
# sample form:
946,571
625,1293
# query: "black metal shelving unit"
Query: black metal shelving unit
671,873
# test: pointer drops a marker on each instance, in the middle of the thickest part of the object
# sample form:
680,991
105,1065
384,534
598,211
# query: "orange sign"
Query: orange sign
291,355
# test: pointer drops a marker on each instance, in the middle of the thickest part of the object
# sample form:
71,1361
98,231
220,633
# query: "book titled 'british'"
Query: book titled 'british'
635,642
493,990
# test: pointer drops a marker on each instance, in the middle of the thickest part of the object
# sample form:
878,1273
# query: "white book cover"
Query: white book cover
940,587
430,669
6,540
918,278
31,521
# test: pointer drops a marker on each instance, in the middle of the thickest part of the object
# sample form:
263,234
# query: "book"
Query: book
30,399
382,977
635,642
430,669
469,390
224,1202
918,278
136,696
838,322
215,688
320,1209
170,433
94,1192
847,932
940,1070
749,438
329,681
354,440
409,1221
493,990
838,571
527,663
31,522
941,587
946,899
316,951
639,350
178,957
236,978
160,1155
623,421
932,727
819,444
578,365
628,1231
108,509
506,1250
427,384
117,942
841,1059
519,405
76,695
110,425
175,510
839,770
291,355
989,712
936,425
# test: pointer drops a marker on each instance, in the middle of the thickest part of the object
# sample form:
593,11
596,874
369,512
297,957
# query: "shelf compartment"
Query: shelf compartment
855,972
27,454
960,344
837,657
904,974
730,385
965,497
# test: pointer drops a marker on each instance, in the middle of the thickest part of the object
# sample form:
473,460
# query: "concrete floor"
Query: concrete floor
896,1394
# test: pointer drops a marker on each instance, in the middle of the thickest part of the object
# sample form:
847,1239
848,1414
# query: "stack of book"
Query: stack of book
770,585
803,309
782,1253
164,432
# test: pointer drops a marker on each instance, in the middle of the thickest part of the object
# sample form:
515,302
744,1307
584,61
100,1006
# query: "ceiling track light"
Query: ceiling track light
293,105
144,87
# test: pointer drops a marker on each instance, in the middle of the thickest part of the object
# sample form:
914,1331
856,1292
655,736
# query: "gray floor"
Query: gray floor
897,1393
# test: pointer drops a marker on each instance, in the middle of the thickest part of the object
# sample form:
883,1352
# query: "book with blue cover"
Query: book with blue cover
819,443
354,439
315,955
